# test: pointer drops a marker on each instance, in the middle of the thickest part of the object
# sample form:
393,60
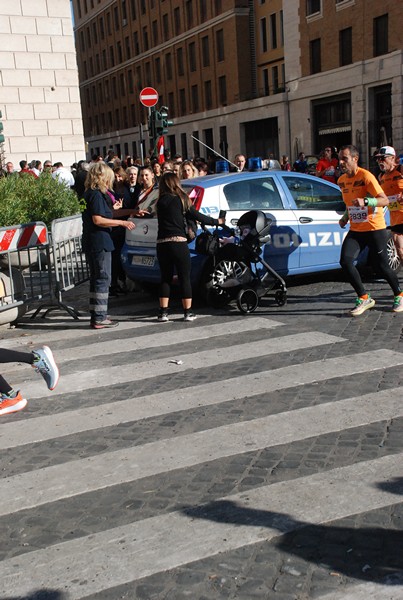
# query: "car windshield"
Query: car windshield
253,194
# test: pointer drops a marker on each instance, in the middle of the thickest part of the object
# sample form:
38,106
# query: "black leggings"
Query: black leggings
8,356
174,255
376,241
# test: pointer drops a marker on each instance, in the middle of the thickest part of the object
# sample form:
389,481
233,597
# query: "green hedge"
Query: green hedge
24,199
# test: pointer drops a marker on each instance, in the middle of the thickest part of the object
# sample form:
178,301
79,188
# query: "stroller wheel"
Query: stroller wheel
280,297
247,301
217,298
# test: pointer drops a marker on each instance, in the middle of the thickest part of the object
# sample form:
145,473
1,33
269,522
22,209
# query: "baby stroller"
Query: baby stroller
240,273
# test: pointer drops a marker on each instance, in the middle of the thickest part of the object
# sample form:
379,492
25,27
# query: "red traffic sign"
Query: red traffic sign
148,97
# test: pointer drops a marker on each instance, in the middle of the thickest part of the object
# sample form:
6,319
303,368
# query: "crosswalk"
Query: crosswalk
174,448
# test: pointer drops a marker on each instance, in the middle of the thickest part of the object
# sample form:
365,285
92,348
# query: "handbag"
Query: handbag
207,243
190,228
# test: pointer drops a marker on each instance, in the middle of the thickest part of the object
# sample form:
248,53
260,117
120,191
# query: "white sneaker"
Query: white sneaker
189,316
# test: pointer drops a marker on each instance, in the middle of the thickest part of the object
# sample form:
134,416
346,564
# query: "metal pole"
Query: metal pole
215,152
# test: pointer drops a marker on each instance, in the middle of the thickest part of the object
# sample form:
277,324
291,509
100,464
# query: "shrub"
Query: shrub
24,199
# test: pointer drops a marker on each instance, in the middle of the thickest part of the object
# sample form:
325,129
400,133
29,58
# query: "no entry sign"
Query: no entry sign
148,97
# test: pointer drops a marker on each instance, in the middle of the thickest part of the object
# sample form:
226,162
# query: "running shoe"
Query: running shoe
398,304
362,305
45,364
163,316
105,324
9,404
189,316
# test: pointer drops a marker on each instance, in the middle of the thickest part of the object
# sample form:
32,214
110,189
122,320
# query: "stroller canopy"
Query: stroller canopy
257,221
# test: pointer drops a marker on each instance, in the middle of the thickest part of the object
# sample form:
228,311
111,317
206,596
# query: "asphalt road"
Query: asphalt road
267,465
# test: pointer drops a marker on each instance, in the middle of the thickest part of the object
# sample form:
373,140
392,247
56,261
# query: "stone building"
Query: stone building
39,91
257,76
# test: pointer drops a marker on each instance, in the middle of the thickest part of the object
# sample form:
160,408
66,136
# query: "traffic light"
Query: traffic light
163,121
1,129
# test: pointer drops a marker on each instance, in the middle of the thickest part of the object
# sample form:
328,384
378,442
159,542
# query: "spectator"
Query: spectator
63,175
9,169
240,162
24,170
188,170
168,165
134,187
301,164
97,242
149,191
327,166
47,167
79,183
157,170
202,168
285,163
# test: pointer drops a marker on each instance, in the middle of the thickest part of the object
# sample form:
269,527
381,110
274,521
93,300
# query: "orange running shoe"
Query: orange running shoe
9,405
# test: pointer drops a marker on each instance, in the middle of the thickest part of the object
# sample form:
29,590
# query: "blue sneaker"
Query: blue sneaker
45,364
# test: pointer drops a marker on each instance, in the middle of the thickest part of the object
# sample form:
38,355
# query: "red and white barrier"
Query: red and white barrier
23,236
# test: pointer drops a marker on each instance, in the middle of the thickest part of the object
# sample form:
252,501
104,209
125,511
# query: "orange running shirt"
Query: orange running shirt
392,185
362,185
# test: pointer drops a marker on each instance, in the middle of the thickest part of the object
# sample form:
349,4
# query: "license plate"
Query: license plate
145,261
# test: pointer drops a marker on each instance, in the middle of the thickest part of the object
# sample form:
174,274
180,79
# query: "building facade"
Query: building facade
39,91
257,76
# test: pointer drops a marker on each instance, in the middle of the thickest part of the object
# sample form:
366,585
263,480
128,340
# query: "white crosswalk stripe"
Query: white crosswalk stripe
112,556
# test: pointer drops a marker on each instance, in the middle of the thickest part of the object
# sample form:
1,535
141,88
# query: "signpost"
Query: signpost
149,97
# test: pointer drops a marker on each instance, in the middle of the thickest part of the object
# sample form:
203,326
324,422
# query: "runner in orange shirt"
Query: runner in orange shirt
364,199
391,181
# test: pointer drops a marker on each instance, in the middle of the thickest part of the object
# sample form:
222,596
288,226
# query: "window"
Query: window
82,41
145,38
253,194
131,81
202,10
155,33
207,95
184,144
381,45
120,54
108,23
192,57
104,60
122,84
177,20
195,98
222,90
220,45
179,61
266,87
95,33
165,27
273,30
346,46
182,102
168,65
263,34
189,14
101,28
205,51
313,7
133,9
171,103
136,43
314,195
127,48
281,28
158,69
314,55
124,12
217,7
274,77
111,56
114,88
116,18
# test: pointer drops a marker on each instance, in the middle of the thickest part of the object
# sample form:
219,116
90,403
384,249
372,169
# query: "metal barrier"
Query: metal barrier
67,262
24,277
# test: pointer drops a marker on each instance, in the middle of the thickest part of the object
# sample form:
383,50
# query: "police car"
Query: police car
304,211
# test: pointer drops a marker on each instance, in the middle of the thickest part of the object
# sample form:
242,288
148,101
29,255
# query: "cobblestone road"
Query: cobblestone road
268,465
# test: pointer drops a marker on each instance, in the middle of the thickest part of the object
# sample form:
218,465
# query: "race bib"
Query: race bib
357,214
394,203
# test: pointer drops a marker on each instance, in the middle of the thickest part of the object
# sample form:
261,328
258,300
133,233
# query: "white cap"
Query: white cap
385,151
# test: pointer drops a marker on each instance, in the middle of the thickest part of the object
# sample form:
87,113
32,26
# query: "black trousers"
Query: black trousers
171,256
7,356
354,243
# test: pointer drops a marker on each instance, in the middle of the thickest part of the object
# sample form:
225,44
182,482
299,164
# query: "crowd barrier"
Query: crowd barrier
38,266
24,277
67,262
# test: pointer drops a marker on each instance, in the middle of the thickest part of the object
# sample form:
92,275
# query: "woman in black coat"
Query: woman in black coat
173,206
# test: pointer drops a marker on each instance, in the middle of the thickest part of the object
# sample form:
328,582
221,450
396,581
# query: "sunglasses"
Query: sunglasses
382,158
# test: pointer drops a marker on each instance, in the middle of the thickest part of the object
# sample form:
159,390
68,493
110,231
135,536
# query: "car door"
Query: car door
318,206
262,192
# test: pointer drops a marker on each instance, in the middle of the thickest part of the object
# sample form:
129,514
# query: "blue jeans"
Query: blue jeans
100,266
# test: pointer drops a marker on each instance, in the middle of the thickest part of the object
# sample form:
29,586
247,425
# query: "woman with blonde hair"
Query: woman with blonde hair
173,207
188,170
98,220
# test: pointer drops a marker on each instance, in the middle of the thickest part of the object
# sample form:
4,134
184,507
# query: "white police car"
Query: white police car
304,211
